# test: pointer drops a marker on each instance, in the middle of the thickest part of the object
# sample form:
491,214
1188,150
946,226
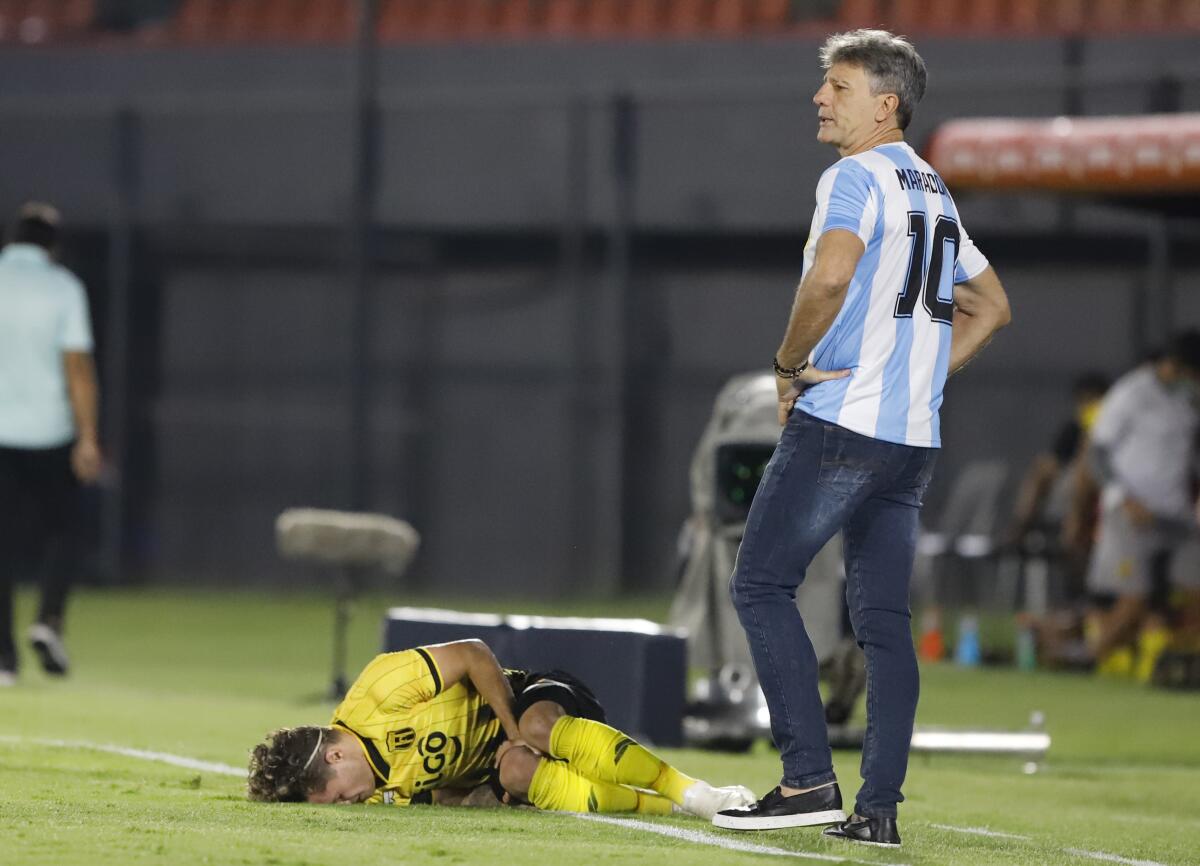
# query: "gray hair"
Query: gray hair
891,63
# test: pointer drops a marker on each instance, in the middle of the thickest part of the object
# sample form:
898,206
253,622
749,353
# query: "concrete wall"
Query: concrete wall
494,421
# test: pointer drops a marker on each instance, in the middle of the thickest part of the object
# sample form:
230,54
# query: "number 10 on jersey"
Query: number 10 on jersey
925,284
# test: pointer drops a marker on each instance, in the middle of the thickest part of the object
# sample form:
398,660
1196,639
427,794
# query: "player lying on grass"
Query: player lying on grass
444,723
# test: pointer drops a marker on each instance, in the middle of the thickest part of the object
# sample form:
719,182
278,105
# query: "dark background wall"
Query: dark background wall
574,246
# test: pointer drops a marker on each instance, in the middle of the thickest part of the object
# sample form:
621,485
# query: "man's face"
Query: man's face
350,780
847,113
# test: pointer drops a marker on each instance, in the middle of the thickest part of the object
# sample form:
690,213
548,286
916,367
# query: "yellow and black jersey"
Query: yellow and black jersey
417,733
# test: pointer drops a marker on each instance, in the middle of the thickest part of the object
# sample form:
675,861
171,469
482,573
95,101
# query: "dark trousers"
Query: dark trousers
821,479
39,498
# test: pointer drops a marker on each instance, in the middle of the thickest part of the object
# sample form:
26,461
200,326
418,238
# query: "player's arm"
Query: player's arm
820,295
1077,525
473,661
481,797
84,395
980,310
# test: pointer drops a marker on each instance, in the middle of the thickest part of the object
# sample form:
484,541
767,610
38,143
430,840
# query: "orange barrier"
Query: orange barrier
33,22
1155,154
222,21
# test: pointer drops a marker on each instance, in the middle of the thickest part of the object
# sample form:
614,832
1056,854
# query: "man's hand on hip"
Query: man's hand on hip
790,389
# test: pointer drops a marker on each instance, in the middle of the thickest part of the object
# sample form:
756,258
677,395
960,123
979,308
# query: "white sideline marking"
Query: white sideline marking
980,831
661,829
718,841
227,770
160,757
1111,858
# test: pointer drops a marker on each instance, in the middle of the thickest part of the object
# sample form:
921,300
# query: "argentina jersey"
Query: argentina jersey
893,331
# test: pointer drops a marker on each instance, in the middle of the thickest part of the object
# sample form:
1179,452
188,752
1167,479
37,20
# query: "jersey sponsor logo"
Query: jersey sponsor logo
437,750
398,741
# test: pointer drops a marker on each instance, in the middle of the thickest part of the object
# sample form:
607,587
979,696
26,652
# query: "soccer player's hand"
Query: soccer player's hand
790,389
507,746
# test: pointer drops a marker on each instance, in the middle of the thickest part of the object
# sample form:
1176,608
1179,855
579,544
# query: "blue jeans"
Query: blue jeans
821,479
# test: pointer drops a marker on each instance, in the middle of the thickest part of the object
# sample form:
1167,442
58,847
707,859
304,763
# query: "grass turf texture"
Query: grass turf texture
205,675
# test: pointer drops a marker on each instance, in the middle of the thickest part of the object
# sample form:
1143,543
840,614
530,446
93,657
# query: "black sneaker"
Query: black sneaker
775,811
880,832
48,644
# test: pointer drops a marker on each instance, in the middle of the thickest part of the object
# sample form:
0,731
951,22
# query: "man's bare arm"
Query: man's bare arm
980,310
820,295
473,660
84,394
819,298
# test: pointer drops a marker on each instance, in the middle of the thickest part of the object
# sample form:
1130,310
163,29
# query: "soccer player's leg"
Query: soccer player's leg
563,720
597,751
555,786
1120,567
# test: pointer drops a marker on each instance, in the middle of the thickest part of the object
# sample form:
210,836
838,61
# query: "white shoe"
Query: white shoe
7,678
704,801
50,649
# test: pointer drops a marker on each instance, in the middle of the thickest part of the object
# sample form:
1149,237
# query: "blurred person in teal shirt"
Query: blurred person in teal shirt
48,426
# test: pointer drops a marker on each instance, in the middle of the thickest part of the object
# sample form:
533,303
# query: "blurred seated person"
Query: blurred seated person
1050,485
1142,452
1054,517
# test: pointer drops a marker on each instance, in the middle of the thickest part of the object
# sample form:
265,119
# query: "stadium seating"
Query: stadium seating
306,21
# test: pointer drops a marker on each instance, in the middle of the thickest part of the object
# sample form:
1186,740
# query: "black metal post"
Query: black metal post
1159,296
359,243
620,243
585,374
114,394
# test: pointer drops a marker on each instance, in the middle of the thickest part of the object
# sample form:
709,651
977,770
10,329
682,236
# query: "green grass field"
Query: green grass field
204,675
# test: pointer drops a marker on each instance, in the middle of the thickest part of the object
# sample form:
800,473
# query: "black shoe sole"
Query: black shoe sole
848,838
779,822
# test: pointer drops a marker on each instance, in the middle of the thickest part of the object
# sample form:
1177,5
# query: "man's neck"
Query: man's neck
891,135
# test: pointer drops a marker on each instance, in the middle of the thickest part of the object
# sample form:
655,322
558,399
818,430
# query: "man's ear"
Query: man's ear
888,104
334,755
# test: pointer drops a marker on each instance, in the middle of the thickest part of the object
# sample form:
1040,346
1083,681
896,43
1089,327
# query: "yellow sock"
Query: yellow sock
1152,643
596,751
558,788
1118,663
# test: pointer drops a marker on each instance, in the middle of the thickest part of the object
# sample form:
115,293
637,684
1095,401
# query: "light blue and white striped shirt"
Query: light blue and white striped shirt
893,331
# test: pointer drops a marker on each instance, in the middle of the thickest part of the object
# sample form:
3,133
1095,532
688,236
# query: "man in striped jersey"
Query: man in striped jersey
894,298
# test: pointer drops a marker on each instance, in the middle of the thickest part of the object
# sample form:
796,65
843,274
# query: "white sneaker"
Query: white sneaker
7,678
704,801
50,649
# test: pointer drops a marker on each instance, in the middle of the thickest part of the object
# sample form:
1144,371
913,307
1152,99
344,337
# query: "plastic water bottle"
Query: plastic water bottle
966,651
932,646
1026,648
